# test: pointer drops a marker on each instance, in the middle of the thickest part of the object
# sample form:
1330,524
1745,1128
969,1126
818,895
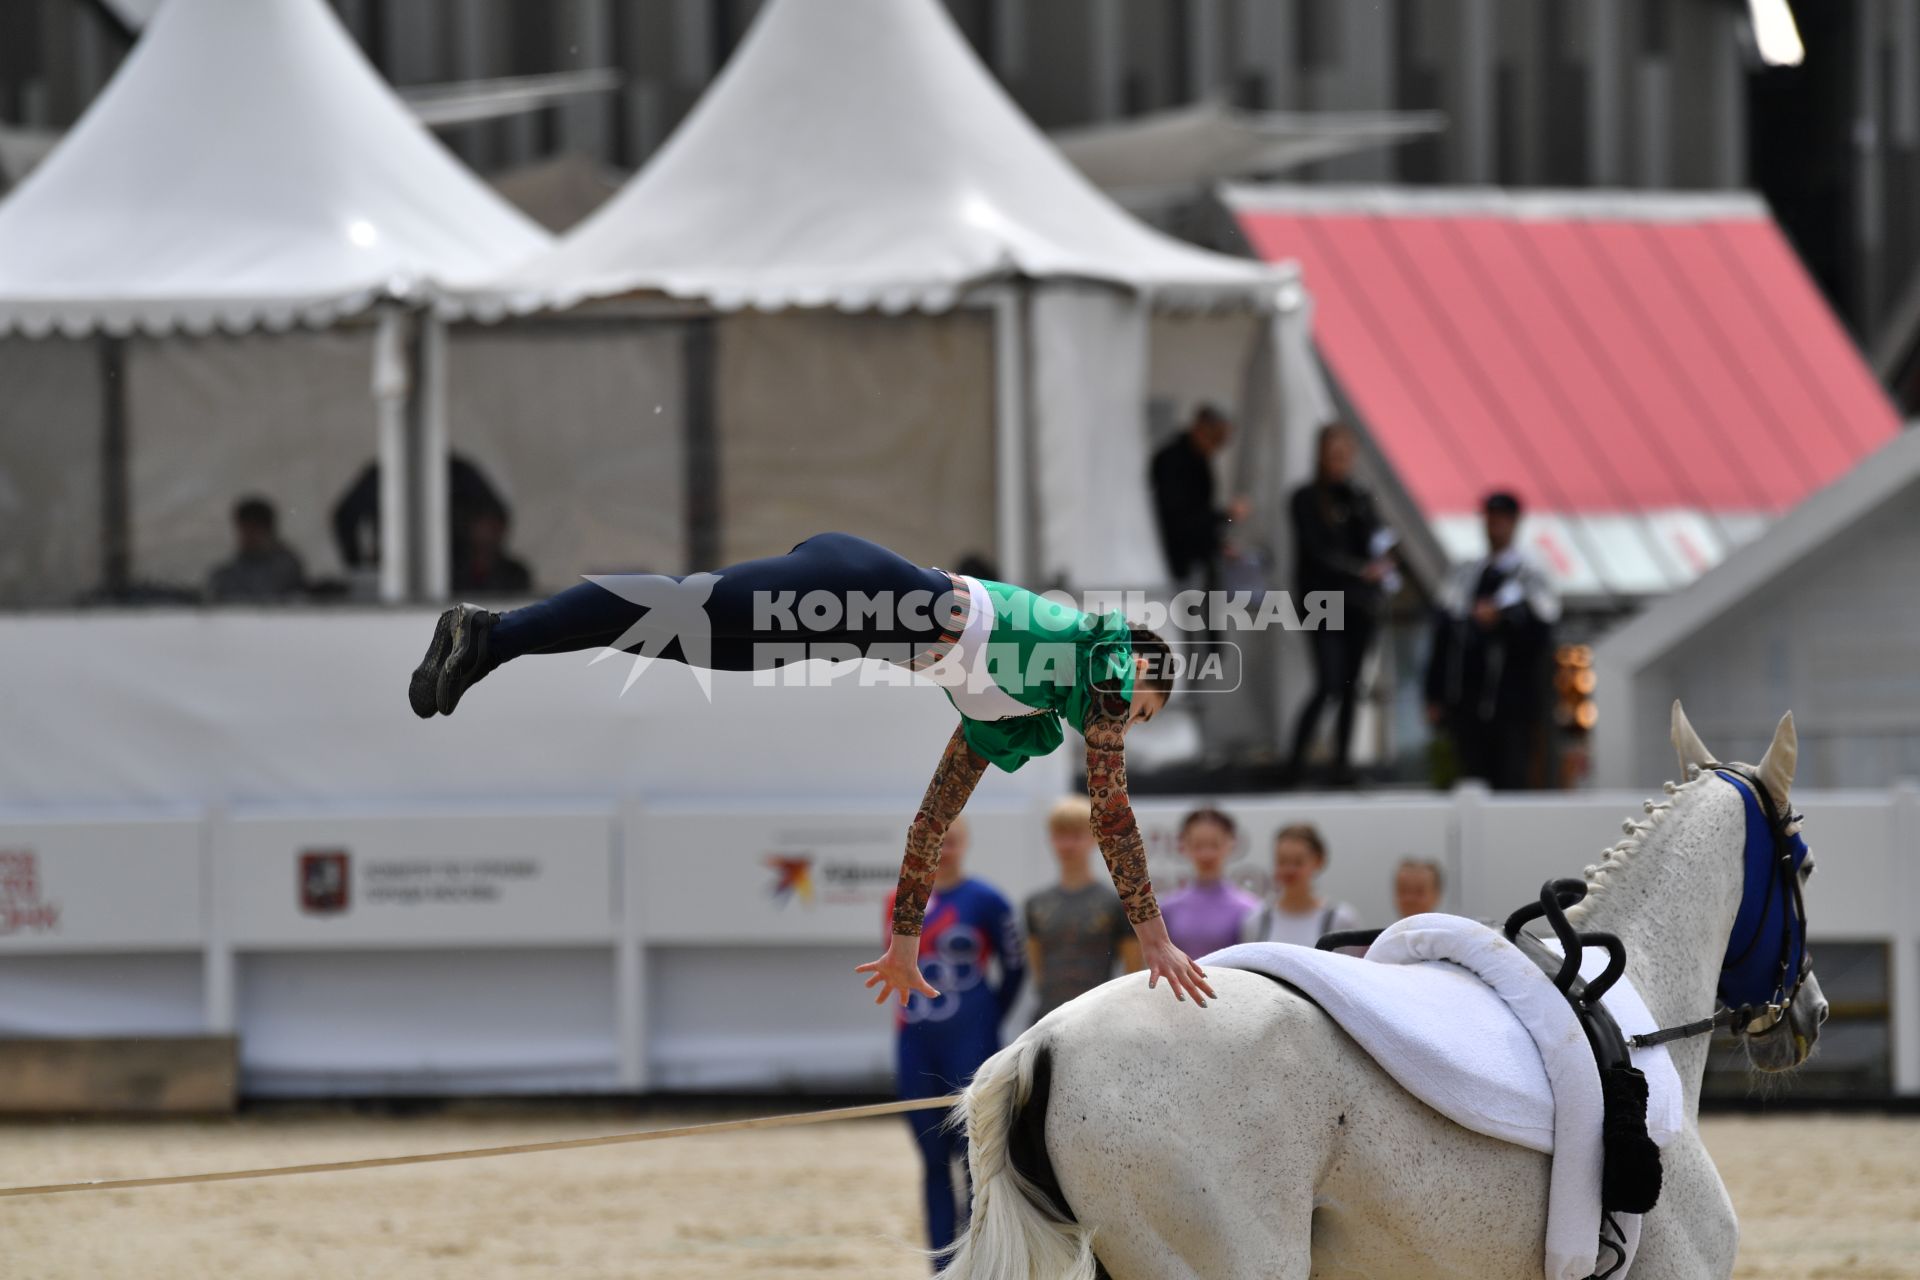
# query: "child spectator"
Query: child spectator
1078,928
1211,912
1295,912
1417,886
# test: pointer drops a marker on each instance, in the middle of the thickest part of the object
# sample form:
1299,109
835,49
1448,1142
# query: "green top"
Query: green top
1046,656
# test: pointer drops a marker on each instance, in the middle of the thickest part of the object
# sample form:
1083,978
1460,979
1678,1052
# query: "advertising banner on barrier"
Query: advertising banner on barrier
421,880
788,875
101,886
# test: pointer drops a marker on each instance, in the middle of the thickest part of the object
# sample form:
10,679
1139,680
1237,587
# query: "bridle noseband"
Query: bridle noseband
1741,1010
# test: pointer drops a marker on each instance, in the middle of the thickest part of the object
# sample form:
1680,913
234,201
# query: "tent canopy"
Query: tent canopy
855,154
22,149
246,167
1205,142
1654,374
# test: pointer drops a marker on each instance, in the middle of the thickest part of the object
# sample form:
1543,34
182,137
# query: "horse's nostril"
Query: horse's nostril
1820,1018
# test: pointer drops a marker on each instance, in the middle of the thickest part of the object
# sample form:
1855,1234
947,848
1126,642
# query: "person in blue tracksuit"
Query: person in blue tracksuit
970,950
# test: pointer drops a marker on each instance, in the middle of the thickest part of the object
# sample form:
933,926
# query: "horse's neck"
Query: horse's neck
1672,899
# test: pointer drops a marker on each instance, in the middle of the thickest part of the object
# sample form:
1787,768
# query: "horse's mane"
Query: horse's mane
1618,856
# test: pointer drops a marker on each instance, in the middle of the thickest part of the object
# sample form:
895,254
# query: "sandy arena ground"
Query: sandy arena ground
1818,1197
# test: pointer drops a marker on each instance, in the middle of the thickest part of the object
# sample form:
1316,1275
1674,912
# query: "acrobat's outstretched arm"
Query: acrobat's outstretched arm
954,778
1125,851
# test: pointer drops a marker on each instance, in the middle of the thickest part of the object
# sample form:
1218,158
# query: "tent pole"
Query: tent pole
436,555
116,535
699,371
390,378
1010,358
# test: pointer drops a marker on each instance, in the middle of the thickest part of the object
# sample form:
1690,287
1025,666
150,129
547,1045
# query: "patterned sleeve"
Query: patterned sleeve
953,781
1113,824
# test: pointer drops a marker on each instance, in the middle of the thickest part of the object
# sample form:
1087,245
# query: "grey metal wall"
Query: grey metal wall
1636,93
1833,640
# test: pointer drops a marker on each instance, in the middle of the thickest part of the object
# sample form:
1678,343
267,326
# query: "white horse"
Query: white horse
1255,1139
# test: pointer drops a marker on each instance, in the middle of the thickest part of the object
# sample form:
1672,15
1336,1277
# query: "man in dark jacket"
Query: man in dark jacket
1338,547
1491,636
1192,526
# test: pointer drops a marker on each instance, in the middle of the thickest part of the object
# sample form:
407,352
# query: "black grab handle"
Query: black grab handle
1564,893
1347,938
1555,897
1616,965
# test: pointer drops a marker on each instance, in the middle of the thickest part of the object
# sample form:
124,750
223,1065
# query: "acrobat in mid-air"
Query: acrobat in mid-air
1017,666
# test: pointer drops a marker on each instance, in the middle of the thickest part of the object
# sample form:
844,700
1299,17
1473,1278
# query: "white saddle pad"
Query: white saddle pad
1469,1025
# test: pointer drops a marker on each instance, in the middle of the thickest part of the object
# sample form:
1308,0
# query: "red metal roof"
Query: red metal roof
1603,355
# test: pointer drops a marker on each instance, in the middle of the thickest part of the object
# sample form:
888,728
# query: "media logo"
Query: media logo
324,881
792,877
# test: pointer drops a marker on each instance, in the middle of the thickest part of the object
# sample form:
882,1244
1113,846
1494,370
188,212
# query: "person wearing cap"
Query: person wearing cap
1486,676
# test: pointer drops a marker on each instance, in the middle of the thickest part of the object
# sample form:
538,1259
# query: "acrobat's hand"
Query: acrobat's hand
1164,960
898,971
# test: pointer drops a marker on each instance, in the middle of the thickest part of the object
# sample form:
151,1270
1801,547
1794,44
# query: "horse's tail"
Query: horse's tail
1021,1227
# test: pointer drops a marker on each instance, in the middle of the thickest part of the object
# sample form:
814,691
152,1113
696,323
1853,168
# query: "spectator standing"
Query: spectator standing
1339,546
263,568
1487,678
1211,912
1077,929
969,932
1417,886
1192,525
1295,912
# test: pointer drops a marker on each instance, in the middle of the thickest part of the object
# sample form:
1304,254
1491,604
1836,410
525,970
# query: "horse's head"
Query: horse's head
1767,975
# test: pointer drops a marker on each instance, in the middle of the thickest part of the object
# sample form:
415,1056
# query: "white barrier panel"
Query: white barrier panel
120,993
766,875
1526,840
327,881
1521,842
1853,896
295,706
453,1021
102,886
734,1018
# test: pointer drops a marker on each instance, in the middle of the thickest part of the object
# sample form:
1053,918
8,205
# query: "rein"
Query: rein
1782,864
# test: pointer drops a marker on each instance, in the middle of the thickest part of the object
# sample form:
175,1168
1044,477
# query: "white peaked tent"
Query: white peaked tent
248,170
855,157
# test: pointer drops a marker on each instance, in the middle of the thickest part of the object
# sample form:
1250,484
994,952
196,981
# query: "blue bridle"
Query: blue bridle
1766,957
1757,981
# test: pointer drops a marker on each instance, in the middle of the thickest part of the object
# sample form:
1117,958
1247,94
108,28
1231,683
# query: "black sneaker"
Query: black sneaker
426,676
469,658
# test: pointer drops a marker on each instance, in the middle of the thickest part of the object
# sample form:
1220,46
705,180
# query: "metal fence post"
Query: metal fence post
1903,997
1466,846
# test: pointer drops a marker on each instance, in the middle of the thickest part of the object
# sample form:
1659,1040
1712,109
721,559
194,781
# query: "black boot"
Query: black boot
421,688
468,659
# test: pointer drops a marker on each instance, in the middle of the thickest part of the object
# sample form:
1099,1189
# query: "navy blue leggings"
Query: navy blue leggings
591,616
931,1061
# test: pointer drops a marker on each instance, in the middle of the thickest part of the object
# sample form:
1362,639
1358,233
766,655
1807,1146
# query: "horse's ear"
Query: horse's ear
1686,743
1776,768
